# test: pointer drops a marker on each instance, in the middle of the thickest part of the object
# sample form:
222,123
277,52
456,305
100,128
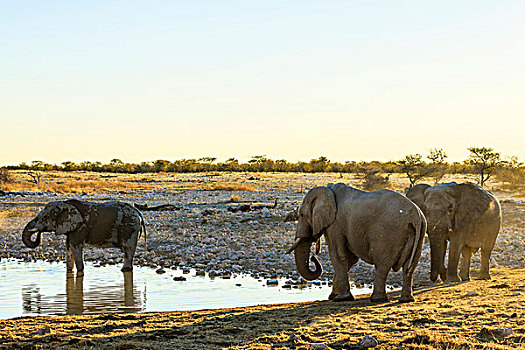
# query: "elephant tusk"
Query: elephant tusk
33,230
292,248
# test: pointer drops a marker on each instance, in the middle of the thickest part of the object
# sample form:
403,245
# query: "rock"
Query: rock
43,331
272,282
160,271
291,216
368,342
503,331
294,338
472,293
200,273
179,278
319,346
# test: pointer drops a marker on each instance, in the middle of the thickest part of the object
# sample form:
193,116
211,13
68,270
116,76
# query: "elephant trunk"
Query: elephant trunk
437,260
27,233
302,253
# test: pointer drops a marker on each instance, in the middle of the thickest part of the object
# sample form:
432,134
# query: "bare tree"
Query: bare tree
485,162
35,177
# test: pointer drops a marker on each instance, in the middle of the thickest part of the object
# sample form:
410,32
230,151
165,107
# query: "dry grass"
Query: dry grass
18,212
59,182
235,198
226,187
443,317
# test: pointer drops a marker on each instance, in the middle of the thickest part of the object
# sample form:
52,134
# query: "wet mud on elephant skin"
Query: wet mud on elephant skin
109,224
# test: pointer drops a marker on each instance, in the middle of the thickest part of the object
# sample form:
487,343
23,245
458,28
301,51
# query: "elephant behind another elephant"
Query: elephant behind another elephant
105,225
466,215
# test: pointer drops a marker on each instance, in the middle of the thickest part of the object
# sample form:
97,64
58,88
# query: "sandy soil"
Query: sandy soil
473,315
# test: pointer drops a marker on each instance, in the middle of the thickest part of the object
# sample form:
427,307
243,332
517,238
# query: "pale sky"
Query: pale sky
349,80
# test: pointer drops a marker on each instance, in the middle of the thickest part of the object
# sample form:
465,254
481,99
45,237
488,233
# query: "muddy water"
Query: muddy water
42,288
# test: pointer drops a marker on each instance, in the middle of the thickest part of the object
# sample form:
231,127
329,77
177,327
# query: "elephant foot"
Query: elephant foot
452,279
80,273
464,278
485,276
406,298
378,298
127,269
344,297
332,296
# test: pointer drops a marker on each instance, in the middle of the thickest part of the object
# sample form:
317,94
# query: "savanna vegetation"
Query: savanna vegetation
484,162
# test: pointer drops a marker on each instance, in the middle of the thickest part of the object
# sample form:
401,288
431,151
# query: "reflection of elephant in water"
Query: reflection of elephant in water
111,224
104,302
382,228
464,214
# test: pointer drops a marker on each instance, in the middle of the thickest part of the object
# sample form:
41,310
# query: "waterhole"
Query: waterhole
43,288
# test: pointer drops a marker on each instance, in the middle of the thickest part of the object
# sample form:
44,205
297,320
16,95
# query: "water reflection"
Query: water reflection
122,297
42,288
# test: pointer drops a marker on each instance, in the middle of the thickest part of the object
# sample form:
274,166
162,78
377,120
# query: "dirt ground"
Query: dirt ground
473,315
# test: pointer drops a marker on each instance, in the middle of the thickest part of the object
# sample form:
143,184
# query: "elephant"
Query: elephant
382,228
467,216
105,225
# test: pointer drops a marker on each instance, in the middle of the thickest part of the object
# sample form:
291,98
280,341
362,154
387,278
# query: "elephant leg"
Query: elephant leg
129,252
485,262
78,255
379,293
464,271
70,262
342,259
345,296
453,260
406,290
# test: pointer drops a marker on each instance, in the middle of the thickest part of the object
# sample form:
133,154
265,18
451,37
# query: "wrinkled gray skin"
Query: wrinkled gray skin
105,225
382,228
467,216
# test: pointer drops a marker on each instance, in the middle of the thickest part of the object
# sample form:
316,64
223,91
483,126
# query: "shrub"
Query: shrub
372,180
5,176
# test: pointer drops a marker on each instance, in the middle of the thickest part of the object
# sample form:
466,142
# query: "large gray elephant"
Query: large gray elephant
466,215
105,225
382,228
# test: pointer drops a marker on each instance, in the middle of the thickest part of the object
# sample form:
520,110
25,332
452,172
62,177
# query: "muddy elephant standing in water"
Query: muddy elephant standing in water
105,225
382,228
466,215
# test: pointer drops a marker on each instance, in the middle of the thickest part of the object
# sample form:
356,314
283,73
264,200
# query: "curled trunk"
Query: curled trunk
26,236
302,253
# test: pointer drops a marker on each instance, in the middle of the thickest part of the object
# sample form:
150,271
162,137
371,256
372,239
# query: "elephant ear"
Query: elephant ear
417,195
68,219
324,208
472,202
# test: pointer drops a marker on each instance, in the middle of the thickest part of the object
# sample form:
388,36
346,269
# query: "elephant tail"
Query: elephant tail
143,230
420,230
409,256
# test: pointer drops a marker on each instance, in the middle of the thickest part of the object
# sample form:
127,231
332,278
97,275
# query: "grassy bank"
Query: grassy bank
456,316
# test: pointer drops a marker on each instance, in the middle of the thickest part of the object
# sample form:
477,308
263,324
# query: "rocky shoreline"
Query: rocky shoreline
210,231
